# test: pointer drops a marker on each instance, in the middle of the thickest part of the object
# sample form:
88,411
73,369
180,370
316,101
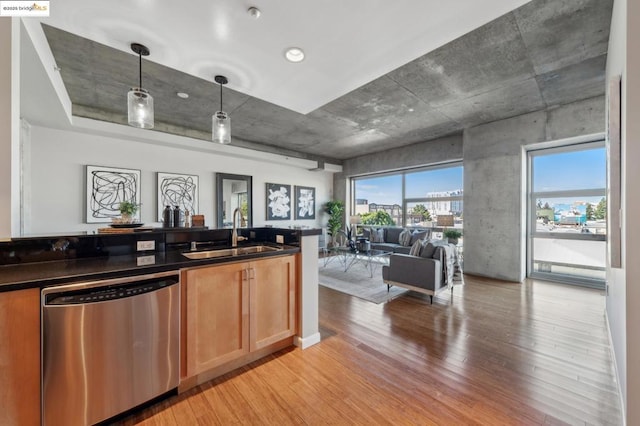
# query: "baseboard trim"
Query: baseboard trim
304,343
615,369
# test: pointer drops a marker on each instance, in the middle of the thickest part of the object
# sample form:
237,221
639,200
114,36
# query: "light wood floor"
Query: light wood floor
494,353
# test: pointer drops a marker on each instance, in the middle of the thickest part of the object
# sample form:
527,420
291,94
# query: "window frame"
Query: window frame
533,233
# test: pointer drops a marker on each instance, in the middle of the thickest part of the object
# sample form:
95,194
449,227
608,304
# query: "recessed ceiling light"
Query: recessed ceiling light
294,54
254,12
182,95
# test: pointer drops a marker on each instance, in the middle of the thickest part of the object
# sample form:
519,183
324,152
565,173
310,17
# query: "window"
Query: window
567,214
427,193
381,193
436,190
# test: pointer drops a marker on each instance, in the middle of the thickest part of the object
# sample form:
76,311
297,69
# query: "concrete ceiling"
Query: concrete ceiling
542,54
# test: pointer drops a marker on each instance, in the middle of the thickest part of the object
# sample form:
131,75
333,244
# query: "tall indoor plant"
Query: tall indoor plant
335,210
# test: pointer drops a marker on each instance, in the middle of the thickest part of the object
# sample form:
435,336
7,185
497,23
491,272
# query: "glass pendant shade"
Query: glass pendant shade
139,101
140,107
221,128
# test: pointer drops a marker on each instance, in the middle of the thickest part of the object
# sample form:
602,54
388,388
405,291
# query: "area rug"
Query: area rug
357,281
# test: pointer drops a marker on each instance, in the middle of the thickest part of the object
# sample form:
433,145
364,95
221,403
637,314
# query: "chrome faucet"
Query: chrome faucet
195,244
234,234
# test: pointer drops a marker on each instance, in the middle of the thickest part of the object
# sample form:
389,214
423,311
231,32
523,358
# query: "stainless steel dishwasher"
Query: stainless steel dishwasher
108,346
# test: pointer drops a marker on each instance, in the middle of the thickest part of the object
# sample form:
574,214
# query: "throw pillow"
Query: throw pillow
380,235
405,238
366,233
427,250
417,235
416,248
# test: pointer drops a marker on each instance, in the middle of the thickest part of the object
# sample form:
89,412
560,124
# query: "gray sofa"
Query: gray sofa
388,239
429,272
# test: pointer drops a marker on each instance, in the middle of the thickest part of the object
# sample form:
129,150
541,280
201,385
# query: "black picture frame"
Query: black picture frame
278,201
177,189
305,203
106,188
231,192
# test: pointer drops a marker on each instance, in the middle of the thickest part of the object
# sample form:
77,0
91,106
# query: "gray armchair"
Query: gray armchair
421,274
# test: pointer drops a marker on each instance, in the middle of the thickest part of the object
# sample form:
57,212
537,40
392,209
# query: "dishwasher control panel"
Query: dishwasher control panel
104,294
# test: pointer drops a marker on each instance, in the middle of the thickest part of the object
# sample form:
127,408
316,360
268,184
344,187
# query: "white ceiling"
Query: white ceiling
347,43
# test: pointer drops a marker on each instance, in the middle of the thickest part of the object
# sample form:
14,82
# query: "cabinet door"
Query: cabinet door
20,357
273,300
217,316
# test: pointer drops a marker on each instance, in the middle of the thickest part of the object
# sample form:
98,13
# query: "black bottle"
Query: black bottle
167,217
176,217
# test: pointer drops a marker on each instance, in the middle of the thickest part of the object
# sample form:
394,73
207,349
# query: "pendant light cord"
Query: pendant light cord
220,96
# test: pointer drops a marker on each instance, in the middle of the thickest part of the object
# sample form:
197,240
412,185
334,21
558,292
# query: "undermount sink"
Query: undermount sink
208,254
257,249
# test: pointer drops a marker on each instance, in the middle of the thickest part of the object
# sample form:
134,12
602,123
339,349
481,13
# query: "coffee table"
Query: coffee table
369,259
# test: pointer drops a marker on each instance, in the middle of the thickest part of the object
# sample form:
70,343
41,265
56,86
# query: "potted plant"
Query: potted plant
452,235
335,210
128,211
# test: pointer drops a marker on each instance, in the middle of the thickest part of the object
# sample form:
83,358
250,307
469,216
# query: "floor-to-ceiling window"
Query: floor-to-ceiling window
567,208
413,197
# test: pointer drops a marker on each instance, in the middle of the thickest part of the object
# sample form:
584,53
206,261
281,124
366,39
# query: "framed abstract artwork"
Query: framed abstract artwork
177,190
278,201
305,205
106,188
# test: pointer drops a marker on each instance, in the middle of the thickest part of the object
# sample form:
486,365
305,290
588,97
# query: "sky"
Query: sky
564,171
388,189
570,170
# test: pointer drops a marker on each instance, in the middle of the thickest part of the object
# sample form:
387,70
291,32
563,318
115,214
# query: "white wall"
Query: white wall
617,285
56,202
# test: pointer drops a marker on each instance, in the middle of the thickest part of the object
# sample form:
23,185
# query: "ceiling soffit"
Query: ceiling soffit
542,54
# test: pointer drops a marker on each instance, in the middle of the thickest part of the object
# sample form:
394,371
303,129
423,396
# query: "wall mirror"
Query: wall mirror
233,191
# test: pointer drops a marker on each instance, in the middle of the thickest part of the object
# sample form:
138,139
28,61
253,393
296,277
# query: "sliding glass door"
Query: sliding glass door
567,209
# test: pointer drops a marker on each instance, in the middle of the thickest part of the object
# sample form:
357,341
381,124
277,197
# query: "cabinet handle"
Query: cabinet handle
252,273
244,274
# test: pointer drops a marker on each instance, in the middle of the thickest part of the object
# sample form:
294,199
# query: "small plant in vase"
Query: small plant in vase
128,211
452,235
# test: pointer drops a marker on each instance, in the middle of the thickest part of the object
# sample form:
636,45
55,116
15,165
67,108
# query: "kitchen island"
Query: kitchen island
273,282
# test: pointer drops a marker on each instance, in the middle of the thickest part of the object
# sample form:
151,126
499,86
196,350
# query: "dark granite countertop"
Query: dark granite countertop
44,274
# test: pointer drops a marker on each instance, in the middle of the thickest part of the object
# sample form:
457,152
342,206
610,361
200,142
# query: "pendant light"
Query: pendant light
139,101
221,123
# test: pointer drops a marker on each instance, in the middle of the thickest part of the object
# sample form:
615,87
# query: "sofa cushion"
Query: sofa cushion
392,235
401,249
385,246
419,235
404,239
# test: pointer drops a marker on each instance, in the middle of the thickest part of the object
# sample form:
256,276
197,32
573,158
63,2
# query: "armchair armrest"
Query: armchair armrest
415,271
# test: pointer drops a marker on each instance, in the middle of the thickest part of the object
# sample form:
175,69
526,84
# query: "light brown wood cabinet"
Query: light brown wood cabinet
233,309
217,315
20,357
272,301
